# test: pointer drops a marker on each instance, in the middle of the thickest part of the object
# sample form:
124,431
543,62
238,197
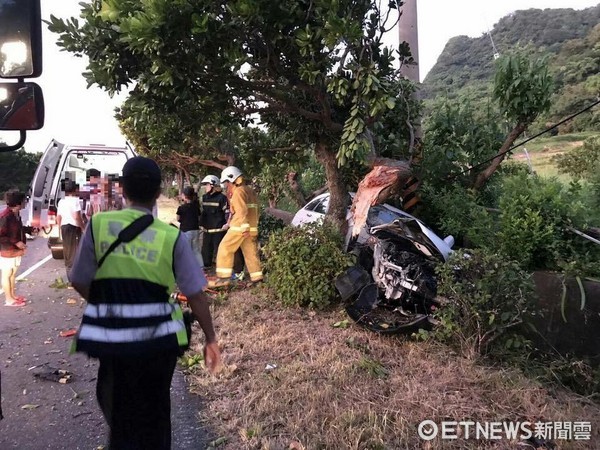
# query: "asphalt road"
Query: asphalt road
46,414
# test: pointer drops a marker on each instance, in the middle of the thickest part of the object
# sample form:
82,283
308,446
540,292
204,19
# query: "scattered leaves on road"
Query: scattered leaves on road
29,406
59,283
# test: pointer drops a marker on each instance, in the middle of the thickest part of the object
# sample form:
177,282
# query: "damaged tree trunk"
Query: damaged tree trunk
486,174
385,180
296,192
338,200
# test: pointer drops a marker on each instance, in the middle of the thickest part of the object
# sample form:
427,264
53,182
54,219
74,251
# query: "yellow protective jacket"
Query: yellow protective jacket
244,207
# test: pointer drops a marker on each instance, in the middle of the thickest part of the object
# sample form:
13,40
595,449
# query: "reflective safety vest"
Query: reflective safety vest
129,309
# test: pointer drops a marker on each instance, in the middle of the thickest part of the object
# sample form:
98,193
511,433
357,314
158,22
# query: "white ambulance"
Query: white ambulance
59,163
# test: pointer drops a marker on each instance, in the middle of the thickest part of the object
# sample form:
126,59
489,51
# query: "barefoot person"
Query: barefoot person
12,245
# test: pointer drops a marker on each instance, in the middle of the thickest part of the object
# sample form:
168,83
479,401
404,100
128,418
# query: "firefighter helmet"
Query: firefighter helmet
231,174
210,179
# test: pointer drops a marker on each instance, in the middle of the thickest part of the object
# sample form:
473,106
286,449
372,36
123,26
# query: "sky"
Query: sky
77,115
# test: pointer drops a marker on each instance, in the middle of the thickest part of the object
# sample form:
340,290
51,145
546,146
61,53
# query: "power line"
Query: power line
527,140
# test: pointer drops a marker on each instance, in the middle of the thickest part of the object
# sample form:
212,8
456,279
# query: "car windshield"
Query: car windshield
379,215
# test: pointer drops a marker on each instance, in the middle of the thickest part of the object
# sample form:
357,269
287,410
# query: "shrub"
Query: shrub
172,191
582,162
488,299
303,262
455,210
267,225
535,220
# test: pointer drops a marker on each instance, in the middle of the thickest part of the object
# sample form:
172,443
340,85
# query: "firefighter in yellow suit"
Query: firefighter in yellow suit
242,232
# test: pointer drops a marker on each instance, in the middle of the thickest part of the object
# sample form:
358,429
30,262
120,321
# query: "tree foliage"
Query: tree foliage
459,136
522,88
21,167
314,70
582,162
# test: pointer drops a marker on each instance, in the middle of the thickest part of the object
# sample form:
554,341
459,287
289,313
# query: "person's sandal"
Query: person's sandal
15,303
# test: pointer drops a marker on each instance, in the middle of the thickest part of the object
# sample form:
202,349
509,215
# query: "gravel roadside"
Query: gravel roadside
40,411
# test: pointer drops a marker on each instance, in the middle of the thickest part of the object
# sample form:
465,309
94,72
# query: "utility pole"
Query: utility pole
409,33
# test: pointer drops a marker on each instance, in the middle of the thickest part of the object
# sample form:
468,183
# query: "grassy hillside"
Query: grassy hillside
572,38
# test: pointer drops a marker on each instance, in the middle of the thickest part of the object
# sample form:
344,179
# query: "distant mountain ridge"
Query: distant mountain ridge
466,66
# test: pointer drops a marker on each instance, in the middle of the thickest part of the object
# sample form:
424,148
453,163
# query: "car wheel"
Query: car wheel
382,316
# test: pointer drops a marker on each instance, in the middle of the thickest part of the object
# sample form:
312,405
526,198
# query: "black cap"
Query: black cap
140,167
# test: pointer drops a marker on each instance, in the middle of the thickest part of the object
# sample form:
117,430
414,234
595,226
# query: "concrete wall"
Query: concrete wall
580,334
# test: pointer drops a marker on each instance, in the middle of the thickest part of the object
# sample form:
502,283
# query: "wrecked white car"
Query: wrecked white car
393,287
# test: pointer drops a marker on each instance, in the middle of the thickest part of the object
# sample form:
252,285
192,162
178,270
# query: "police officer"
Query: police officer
242,232
213,219
130,323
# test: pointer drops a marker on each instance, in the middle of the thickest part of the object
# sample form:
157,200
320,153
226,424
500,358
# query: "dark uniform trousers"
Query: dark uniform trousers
134,395
71,236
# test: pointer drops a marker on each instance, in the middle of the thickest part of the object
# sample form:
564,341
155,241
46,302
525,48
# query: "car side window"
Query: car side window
312,205
321,208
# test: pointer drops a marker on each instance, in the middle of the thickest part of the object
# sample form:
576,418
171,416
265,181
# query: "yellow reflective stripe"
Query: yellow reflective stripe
210,204
244,228
251,205
215,230
256,276
224,272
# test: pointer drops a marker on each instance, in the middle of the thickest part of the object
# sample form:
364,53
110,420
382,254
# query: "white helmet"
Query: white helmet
231,174
210,179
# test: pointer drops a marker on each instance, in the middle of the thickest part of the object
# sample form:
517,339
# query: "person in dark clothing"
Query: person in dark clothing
213,219
188,216
130,323
12,245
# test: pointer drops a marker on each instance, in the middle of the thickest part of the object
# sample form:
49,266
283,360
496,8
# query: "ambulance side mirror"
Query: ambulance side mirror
21,106
21,103
20,39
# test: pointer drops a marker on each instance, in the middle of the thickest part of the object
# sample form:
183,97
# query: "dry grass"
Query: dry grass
345,388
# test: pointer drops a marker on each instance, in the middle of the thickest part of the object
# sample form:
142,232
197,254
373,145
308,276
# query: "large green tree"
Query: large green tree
314,69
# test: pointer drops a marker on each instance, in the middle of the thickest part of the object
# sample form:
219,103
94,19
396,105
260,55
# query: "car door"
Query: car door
36,211
311,212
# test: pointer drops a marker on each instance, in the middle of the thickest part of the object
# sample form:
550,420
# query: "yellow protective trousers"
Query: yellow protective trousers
225,256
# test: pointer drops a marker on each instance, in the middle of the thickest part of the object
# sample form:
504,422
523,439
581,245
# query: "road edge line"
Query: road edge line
31,269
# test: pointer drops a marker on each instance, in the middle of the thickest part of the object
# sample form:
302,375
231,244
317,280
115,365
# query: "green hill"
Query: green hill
572,38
